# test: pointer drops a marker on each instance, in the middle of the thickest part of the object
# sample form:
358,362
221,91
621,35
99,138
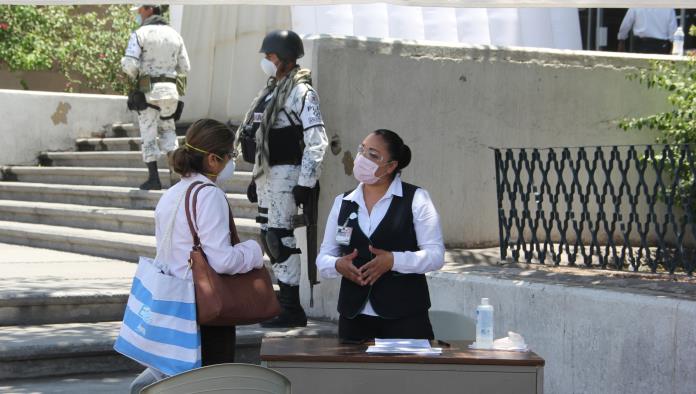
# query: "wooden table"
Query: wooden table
325,366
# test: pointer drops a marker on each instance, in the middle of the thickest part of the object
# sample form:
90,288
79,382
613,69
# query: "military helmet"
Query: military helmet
286,44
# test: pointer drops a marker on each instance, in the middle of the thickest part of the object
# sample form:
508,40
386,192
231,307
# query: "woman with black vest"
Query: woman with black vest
382,238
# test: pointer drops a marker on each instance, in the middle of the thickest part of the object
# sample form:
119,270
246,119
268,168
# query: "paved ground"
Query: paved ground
85,384
487,262
34,270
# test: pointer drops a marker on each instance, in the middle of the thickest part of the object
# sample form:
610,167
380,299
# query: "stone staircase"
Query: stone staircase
87,201
82,217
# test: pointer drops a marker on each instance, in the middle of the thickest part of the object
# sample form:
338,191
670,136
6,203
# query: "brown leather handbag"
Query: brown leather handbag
227,300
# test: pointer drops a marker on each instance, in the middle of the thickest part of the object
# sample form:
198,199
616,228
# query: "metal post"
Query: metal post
598,27
589,29
499,194
682,19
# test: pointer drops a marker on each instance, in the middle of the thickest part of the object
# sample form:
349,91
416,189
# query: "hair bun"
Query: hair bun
404,156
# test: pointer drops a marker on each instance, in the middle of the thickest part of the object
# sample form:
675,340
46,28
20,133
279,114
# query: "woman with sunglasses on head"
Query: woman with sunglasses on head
382,238
207,157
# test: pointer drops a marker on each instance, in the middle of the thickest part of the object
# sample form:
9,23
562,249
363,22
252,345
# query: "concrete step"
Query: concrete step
80,348
104,196
133,221
108,383
100,243
114,245
131,144
43,286
123,130
61,349
128,148
133,130
104,176
110,159
105,159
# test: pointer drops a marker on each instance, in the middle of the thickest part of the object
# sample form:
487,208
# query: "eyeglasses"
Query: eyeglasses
370,153
232,154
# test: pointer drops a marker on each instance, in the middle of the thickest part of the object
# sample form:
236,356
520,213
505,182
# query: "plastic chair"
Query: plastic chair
223,378
452,326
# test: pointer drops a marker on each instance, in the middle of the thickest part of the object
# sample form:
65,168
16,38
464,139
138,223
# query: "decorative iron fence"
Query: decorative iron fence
619,207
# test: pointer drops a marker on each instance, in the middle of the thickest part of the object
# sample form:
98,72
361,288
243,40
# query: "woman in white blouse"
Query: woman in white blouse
207,156
382,238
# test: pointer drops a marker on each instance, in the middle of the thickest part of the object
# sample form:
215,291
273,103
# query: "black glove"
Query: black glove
251,192
302,194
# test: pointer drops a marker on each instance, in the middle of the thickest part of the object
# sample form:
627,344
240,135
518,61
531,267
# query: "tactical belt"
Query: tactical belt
162,79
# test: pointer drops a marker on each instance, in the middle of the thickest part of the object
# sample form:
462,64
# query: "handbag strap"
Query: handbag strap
192,202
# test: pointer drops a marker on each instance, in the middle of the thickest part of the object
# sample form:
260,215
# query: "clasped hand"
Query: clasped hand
368,273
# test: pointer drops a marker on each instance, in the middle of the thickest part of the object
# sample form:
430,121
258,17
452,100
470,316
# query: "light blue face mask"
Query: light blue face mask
139,19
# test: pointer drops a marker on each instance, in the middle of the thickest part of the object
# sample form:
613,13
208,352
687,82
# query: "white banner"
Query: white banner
420,3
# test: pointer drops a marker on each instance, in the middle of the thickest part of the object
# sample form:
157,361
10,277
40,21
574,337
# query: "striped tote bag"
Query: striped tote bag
159,328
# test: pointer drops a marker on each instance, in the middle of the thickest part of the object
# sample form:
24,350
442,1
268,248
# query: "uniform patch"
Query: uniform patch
311,114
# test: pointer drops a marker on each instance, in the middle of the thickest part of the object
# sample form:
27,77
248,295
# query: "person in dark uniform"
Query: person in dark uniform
382,238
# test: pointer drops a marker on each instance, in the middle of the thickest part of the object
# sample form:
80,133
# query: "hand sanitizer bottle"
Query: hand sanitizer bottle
484,325
678,42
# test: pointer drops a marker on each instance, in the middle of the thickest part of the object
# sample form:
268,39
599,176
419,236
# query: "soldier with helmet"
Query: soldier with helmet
283,135
157,61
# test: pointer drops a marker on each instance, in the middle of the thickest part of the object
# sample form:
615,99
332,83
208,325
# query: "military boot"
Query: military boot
153,181
291,314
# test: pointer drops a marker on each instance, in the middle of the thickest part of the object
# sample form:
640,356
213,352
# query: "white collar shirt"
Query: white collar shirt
426,222
659,23
174,240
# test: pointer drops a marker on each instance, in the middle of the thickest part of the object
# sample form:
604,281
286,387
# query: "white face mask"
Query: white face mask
139,19
268,67
227,172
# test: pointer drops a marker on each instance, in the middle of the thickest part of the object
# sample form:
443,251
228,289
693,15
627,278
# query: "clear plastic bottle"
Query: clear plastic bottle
484,325
678,42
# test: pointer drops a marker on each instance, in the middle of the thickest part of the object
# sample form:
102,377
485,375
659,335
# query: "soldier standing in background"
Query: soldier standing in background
283,135
156,60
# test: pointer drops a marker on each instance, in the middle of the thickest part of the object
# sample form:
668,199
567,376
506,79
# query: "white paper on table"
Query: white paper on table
403,346
414,343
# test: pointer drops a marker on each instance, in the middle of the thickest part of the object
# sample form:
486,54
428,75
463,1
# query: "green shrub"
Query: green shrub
86,47
676,126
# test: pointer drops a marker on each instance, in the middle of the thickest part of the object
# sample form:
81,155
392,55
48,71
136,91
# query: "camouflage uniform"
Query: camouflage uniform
275,198
157,50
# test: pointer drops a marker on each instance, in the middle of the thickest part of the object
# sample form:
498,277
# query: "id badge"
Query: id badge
258,117
343,234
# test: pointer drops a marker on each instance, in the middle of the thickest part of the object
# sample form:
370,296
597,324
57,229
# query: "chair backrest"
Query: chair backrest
223,378
452,326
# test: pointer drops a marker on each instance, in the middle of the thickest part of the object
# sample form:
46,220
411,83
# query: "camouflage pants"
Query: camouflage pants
151,125
277,204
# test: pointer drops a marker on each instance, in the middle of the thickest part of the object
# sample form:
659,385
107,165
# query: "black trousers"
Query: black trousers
365,328
217,344
652,45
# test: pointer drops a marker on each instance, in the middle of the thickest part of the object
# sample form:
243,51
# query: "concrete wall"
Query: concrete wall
223,44
593,341
51,81
36,121
450,103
